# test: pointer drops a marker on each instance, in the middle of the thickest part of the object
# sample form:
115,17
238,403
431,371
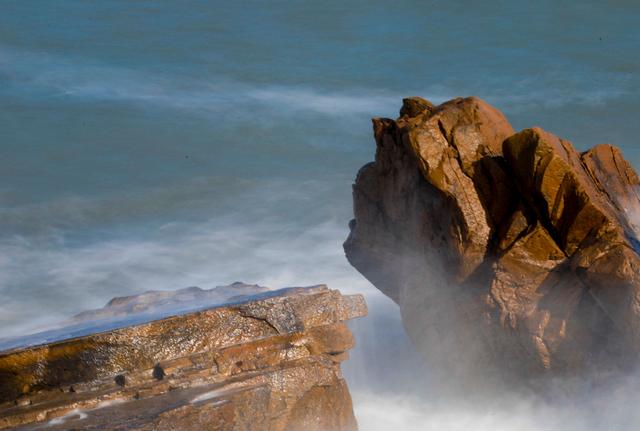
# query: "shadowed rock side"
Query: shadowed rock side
270,362
509,253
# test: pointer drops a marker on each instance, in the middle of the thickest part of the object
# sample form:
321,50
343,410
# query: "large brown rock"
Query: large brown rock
265,362
508,253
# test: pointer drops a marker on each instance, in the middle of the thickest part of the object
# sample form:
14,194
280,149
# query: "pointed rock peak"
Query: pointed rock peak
414,106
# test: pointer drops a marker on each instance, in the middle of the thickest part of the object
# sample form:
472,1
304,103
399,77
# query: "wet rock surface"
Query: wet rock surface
130,310
509,254
269,361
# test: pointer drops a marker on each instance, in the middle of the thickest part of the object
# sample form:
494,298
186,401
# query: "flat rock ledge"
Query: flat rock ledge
271,362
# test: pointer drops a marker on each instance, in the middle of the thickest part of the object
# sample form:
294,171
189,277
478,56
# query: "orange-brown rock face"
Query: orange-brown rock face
270,362
508,253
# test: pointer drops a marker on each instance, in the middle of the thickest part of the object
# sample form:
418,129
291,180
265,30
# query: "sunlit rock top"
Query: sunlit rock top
134,309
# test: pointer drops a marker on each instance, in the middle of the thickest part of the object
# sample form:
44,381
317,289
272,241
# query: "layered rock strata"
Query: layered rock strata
265,362
508,253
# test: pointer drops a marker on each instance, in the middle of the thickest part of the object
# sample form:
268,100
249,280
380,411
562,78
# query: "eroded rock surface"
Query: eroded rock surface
508,253
270,361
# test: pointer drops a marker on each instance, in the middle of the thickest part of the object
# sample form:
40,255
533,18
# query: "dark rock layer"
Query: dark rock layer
508,253
268,362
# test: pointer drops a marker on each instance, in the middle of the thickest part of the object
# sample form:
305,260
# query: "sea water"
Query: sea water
158,145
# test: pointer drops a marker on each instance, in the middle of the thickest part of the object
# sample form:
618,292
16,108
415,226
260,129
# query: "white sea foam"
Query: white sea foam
219,392
81,414
70,78
75,414
204,255
608,408
74,79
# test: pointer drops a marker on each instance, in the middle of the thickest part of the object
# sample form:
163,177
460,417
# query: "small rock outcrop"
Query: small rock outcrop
269,361
508,253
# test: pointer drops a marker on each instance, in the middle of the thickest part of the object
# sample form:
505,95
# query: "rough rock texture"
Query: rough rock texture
510,253
130,310
268,362
154,301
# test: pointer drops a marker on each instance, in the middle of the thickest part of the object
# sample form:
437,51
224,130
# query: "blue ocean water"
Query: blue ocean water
162,144
158,145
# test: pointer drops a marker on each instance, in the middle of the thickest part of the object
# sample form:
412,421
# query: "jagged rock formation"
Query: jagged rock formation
270,361
507,252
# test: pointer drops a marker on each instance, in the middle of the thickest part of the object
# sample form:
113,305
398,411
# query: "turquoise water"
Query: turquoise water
162,144
158,145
